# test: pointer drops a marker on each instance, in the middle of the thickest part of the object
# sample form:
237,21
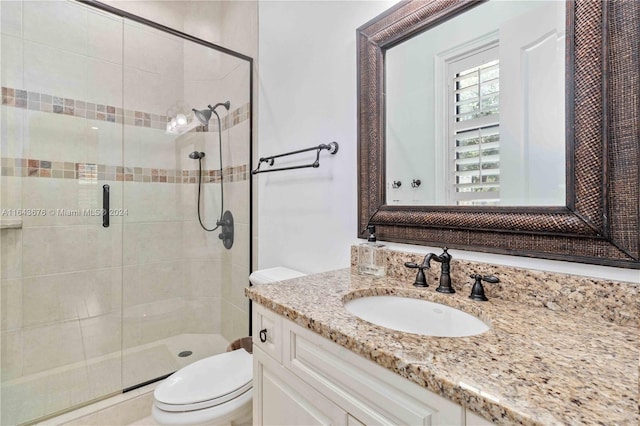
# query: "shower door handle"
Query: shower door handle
105,206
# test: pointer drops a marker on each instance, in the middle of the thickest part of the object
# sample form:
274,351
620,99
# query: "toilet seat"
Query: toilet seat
206,383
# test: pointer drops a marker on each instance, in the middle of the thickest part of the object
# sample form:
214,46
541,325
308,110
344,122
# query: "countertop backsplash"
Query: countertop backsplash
613,301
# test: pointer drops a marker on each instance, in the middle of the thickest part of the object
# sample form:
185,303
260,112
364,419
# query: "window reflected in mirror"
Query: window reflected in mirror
475,109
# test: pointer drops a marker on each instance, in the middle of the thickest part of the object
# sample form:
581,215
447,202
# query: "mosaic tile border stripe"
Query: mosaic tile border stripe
36,101
91,172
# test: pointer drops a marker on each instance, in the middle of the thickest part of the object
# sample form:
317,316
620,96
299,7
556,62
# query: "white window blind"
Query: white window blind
474,129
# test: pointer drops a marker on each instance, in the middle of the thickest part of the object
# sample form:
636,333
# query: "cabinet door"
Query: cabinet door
280,398
369,392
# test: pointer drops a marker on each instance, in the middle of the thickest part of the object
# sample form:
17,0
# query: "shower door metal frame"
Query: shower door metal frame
222,49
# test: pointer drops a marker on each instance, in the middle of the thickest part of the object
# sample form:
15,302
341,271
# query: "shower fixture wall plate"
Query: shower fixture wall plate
227,229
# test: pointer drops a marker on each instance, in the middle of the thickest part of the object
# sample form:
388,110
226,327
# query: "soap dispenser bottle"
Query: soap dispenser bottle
372,255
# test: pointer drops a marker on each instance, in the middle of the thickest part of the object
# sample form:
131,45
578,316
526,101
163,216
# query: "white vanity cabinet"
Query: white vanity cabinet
301,378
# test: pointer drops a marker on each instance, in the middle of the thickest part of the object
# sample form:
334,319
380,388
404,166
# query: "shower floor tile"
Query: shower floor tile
26,398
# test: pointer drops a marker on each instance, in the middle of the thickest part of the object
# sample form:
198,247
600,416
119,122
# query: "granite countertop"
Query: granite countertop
534,365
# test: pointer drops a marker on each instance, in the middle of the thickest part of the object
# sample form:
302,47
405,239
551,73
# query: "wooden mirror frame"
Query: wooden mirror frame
599,224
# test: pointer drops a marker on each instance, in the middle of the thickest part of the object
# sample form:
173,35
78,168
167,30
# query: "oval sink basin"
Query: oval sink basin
416,316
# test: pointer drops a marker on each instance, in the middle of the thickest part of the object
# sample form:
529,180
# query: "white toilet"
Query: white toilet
217,390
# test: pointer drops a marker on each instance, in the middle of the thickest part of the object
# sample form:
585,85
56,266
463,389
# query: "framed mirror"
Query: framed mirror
597,222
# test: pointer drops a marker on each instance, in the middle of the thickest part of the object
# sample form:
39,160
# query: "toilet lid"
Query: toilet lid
208,382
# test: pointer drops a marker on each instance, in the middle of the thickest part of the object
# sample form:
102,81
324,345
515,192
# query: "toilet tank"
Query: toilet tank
279,273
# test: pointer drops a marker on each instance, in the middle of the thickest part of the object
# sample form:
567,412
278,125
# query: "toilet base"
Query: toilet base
237,412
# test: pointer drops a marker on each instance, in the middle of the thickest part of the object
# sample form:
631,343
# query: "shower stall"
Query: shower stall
99,103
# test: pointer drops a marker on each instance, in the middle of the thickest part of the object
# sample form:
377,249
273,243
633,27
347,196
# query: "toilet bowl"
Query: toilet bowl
213,391
217,390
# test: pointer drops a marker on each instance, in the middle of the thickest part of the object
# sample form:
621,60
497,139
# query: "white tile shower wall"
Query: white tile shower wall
149,148
60,297
230,24
153,202
12,130
152,242
203,20
237,148
210,205
153,69
55,194
42,25
11,353
153,283
46,340
234,320
71,264
169,13
147,49
104,37
102,335
202,64
204,278
11,18
50,250
55,137
46,68
12,67
103,142
104,82
237,201
10,198
242,38
11,254
234,294
11,304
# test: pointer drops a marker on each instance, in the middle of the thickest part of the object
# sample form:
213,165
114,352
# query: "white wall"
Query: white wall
307,95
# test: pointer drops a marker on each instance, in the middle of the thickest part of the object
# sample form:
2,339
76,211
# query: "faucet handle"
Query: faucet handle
421,280
477,291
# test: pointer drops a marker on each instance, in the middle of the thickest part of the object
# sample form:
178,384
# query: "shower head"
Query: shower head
204,115
195,155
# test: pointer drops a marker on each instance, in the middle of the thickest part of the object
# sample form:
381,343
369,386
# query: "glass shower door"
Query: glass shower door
178,277
93,102
61,268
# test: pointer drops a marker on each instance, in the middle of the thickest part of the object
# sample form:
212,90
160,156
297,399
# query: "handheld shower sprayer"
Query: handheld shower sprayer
226,218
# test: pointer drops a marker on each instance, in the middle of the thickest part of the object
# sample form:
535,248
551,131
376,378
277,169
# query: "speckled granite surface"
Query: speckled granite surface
614,301
534,366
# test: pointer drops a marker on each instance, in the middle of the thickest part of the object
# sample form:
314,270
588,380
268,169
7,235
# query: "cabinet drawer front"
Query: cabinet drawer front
371,393
267,325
